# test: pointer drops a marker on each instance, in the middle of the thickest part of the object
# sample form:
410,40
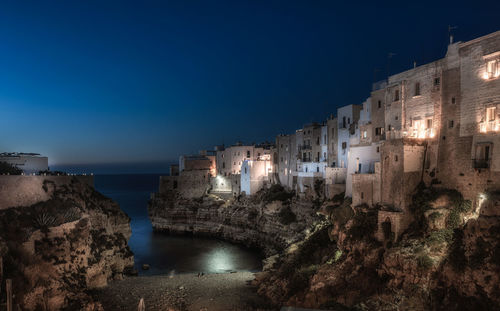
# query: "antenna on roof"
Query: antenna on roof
389,57
450,35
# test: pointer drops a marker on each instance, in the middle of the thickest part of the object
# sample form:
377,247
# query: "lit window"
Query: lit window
492,69
490,114
364,134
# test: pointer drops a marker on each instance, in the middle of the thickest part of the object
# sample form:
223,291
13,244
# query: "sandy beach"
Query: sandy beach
226,291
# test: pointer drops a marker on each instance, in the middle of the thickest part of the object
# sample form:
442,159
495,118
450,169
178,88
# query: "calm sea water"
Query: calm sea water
165,253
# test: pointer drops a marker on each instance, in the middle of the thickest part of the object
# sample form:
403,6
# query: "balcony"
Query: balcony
306,147
480,163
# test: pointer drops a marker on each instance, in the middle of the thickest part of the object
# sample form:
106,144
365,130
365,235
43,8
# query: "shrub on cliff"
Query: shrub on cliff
9,169
287,216
277,193
364,225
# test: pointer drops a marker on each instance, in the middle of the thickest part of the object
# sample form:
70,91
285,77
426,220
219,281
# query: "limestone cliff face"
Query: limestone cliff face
250,221
450,264
57,249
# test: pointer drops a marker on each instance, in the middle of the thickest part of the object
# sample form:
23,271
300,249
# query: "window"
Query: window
450,124
317,140
378,149
396,95
396,158
324,140
281,160
245,170
324,155
223,164
248,153
396,118
364,134
379,104
429,123
379,131
344,145
333,132
389,127
317,169
437,81
348,120
281,146
306,169
417,89
490,114
492,69
362,196
453,100
343,122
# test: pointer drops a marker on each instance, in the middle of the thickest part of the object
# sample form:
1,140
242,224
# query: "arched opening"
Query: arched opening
387,229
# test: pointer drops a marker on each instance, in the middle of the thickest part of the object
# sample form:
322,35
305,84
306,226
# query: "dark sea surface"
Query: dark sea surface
164,253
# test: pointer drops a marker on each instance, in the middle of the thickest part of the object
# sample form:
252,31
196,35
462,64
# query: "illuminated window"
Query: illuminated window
490,114
492,68
417,89
364,134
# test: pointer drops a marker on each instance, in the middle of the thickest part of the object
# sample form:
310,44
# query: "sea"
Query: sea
168,254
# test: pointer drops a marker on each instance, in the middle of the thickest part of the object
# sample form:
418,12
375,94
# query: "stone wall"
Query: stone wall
366,188
190,184
21,190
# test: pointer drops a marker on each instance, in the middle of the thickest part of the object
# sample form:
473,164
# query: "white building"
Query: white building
255,174
347,118
362,152
29,163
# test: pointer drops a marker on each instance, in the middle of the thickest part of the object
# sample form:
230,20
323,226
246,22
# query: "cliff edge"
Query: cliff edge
71,240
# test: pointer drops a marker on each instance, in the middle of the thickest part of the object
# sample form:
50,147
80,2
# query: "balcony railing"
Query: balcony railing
481,163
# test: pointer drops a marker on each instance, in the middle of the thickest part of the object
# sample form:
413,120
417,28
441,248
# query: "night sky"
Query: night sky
142,82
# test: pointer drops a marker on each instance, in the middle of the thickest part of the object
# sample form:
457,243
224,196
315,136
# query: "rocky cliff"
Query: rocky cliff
270,221
447,260
325,254
57,249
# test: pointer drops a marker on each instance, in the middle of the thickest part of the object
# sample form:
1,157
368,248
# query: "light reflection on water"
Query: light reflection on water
166,253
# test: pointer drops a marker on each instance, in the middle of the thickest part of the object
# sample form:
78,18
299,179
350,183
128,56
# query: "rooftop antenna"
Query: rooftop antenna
450,35
389,57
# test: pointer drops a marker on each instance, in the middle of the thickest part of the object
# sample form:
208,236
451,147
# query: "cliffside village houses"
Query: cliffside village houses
438,123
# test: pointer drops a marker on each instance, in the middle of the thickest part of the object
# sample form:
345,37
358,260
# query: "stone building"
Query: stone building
347,119
29,163
332,133
363,153
256,174
441,126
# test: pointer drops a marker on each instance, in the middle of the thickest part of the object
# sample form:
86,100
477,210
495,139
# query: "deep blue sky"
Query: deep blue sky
100,81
